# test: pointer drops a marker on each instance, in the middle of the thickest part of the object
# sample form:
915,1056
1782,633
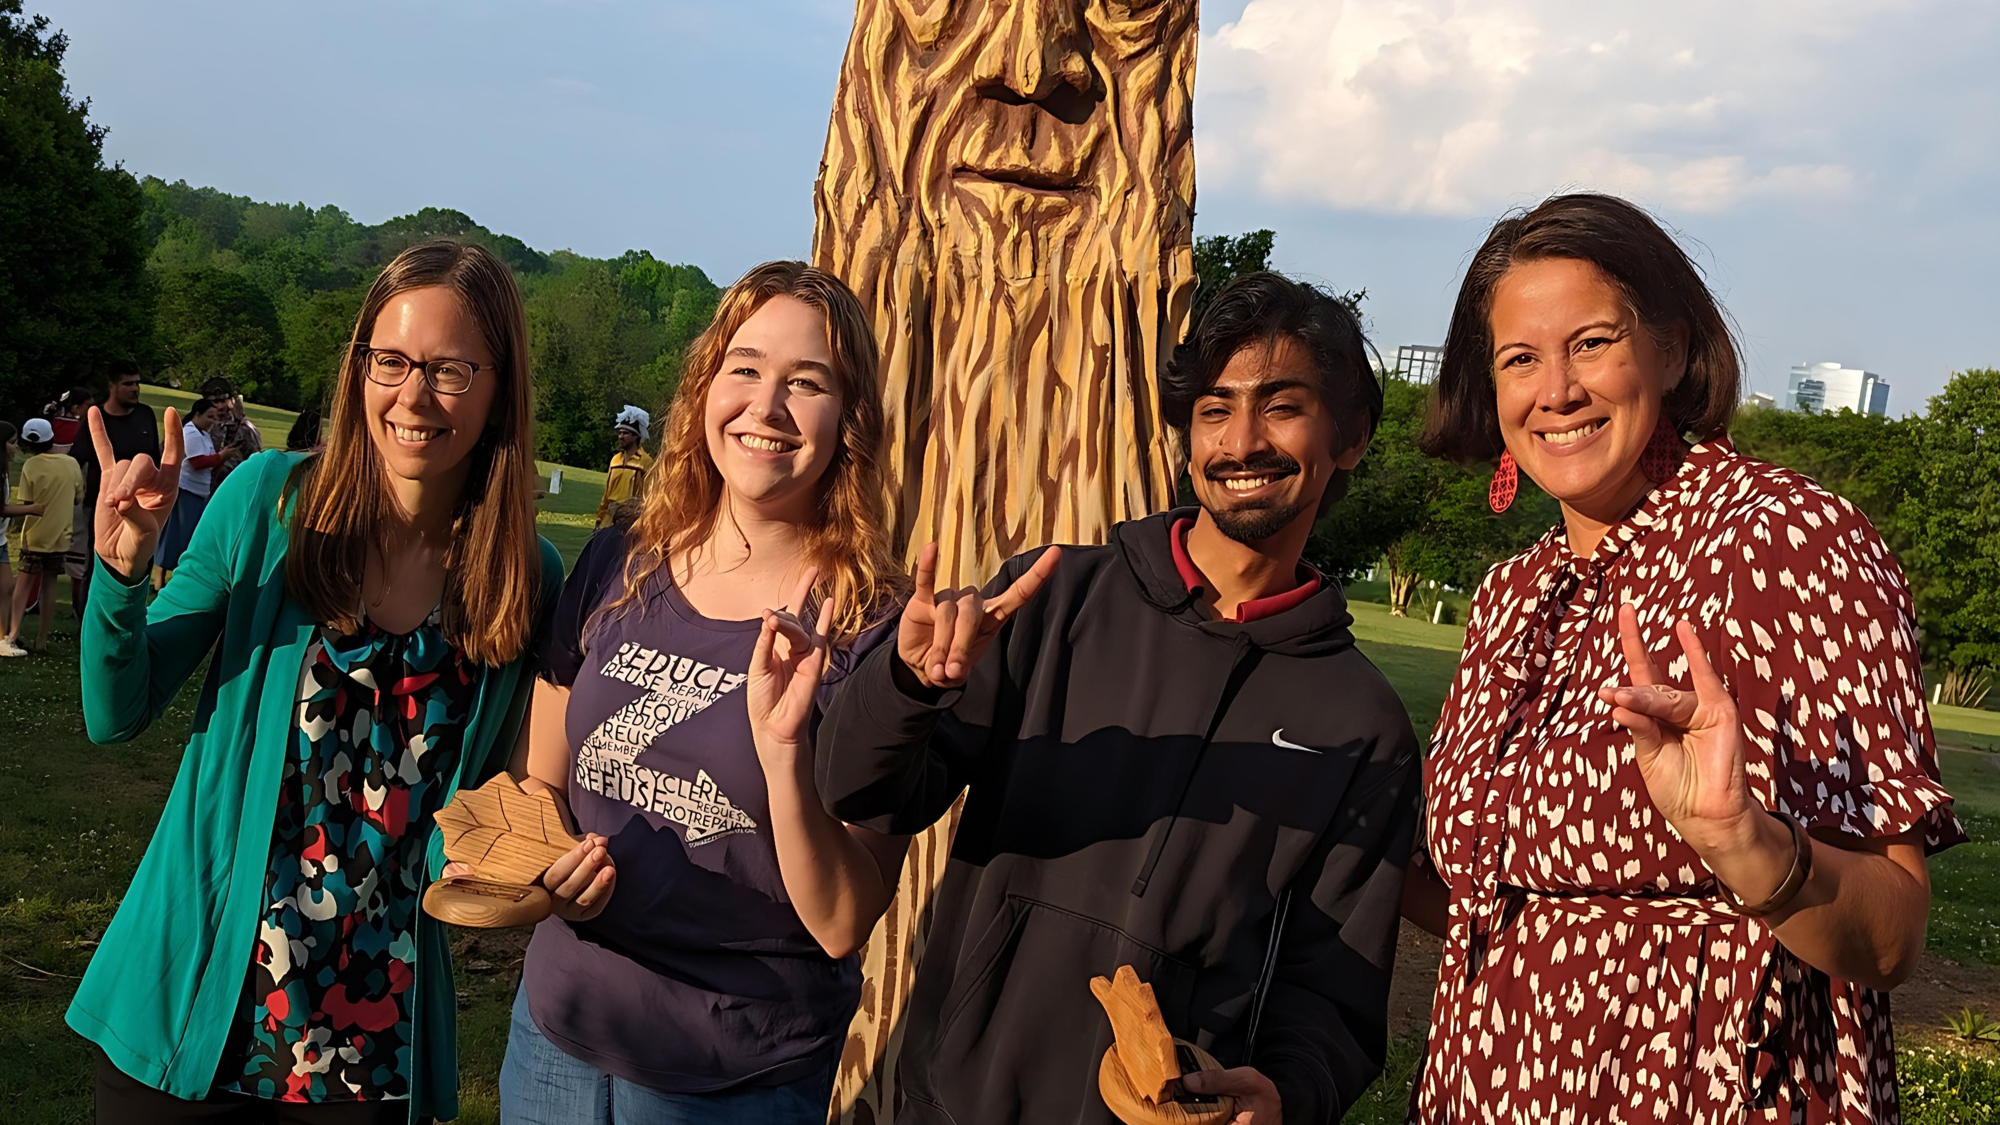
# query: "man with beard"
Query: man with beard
1173,757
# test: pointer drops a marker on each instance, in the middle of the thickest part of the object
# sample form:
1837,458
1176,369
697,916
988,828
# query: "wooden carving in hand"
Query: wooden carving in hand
510,838
1141,1072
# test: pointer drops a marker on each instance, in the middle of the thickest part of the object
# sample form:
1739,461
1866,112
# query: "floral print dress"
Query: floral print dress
325,1014
1592,972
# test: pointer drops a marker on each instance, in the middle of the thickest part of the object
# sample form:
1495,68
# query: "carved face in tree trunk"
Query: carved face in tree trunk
1008,185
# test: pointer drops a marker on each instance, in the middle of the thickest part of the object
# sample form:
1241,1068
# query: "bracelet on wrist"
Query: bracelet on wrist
1788,887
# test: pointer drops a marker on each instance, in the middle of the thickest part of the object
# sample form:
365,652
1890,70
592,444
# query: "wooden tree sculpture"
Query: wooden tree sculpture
510,838
1140,1076
1009,187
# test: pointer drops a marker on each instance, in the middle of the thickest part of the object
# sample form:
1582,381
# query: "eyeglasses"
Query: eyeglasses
442,376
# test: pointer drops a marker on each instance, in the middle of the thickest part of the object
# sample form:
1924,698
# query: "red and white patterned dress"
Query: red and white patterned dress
1591,971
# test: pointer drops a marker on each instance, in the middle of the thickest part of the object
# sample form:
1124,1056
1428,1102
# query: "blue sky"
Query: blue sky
1833,163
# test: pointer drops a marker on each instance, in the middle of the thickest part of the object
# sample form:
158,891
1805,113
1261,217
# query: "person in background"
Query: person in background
196,485
235,439
66,416
628,466
1683,788
305,435
698,994
49,484
8,450
133,429
366,617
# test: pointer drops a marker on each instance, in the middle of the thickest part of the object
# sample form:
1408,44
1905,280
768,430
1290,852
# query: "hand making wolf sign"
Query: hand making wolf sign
134,498
944,632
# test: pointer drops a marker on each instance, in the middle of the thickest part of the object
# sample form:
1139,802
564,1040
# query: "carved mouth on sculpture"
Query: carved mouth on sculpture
1027,178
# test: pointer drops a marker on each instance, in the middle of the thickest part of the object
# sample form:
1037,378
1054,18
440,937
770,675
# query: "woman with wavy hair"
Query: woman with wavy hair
1682,795
691,990
366,614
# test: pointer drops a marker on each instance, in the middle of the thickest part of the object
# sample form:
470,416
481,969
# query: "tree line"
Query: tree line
194,283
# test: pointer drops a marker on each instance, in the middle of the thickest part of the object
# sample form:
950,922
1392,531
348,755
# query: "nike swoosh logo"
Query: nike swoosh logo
1278,739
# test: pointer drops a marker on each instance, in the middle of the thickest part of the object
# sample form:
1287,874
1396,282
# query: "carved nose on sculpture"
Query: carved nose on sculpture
1040,51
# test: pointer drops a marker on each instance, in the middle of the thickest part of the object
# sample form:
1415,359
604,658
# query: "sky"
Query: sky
1833,165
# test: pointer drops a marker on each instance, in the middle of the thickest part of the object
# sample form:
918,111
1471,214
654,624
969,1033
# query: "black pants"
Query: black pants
123,1100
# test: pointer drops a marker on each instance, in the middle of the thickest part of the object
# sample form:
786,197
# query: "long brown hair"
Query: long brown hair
849,538
1660,284
340,500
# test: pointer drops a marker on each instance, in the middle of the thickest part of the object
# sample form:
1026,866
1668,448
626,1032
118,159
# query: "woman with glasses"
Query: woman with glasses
365,613
694,992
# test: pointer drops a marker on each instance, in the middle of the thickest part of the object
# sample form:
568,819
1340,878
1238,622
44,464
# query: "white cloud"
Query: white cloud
1457,108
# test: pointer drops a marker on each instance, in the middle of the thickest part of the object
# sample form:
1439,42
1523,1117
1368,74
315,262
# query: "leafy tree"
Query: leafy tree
1422,517
1953,520
1219,257
218,322
72,284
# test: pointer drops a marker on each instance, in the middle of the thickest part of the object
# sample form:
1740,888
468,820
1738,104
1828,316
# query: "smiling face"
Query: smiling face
772,415
1262,445
1578,383
422,435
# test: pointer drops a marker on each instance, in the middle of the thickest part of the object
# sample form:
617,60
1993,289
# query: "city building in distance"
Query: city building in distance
1816,387
1420,363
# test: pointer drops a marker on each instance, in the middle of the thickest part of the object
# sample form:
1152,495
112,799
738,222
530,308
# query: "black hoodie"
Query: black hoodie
1145,785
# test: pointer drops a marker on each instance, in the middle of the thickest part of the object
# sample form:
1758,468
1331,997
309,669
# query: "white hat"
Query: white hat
634,419
37,431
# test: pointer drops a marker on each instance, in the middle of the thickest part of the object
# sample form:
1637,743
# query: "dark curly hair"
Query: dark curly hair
1258,308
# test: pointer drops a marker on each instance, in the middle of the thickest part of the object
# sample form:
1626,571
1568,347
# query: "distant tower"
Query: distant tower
1816,387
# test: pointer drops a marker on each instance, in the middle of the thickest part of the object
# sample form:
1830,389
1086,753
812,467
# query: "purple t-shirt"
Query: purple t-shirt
698,975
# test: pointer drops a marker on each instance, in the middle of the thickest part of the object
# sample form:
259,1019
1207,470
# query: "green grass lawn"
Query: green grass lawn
75,817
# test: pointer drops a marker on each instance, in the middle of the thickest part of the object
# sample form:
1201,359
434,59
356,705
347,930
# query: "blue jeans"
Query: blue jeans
541,1085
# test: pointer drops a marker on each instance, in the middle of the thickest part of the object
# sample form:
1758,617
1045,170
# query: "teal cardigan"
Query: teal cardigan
160,996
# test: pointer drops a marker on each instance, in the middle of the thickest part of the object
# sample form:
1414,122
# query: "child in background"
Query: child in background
7,513
49,484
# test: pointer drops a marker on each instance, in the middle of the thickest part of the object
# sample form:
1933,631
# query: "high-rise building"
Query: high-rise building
1420,363
1814,387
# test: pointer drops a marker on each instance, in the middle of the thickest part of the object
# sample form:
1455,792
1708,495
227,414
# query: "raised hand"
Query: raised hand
785,672
1689,745
944,632
134,498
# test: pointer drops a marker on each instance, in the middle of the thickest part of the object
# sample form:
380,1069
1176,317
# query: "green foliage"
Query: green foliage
1219,257
1973,1026
268,294
1870,460
72,291
1948,1088
1428,518
213,321
1952,521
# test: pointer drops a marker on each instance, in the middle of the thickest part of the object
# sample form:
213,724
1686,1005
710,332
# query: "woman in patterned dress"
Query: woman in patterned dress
1681,796
365,613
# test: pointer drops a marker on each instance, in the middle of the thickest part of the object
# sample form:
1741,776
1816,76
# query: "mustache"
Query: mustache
1271,464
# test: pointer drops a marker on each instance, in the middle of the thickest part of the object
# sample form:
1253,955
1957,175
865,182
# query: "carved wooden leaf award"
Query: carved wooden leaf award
1140,1077
510,838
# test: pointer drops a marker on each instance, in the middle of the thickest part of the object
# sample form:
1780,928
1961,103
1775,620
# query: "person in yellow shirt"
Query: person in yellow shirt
50,482
623,480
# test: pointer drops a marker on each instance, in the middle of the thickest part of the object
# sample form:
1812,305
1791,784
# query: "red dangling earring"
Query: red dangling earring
1506,482
1664,452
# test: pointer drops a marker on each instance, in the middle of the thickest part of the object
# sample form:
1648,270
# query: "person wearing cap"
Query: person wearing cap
628,465
49,483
